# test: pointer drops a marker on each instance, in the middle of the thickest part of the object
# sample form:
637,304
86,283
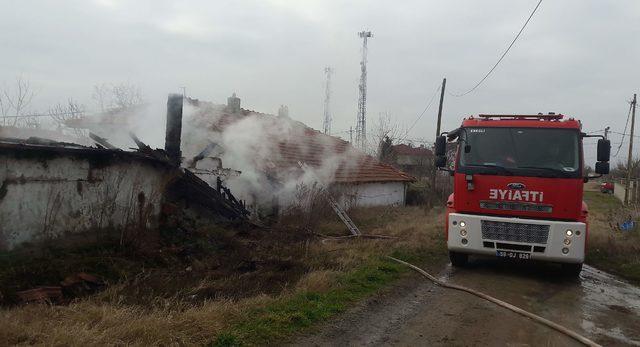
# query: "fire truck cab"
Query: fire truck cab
518,183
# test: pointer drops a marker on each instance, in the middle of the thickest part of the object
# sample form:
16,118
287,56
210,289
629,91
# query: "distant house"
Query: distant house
416,161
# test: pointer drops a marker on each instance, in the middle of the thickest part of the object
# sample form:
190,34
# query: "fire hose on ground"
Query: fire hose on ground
501,303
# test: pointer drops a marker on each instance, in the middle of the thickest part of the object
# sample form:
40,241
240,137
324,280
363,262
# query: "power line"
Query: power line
69,113
624,131
503,54
619,133
595,143
421,114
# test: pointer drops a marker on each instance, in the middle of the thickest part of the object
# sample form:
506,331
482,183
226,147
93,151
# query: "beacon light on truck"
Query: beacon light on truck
518,183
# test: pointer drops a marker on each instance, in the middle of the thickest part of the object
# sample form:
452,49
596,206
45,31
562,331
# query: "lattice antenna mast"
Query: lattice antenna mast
361,125
326,124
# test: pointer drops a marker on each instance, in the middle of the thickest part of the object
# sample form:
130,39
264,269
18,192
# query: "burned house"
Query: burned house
268,149
50,189
221,163
53,190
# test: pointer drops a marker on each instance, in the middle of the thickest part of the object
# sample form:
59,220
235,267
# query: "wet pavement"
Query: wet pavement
416,312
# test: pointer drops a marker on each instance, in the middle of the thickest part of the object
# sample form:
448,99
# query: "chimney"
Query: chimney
174,128
233,104
283,111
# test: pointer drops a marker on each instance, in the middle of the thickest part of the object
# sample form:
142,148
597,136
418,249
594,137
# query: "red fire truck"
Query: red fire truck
518,188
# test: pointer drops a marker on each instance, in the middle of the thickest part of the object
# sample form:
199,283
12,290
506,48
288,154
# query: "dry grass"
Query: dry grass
415,229
95,323
189,319
611,249
317,281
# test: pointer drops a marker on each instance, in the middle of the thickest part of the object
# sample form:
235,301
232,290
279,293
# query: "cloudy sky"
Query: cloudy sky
576,57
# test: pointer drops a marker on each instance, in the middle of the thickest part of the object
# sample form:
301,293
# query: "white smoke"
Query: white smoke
247,142
251,144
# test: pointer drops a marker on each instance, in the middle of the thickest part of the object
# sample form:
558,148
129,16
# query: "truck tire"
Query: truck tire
458,259
572,270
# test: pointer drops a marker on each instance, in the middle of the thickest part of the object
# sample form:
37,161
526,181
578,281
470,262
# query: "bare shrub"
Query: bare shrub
310,207
15,102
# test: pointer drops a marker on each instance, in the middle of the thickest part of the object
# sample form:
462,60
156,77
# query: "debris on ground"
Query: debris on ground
49,294
81,284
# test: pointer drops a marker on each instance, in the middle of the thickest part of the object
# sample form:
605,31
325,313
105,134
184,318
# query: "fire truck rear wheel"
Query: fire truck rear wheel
458,259
572,270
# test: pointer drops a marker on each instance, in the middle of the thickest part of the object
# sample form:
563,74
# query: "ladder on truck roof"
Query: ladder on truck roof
344,217
550,116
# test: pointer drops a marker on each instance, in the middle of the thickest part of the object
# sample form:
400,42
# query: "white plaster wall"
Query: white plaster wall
45,198
371,194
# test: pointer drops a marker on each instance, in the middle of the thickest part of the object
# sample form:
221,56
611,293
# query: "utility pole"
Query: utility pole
351,135
326,124
630,158
444,84
361,124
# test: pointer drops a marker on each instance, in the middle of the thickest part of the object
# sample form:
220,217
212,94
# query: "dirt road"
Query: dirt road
416,312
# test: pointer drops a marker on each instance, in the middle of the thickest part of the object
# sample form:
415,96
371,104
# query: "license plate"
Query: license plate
513,255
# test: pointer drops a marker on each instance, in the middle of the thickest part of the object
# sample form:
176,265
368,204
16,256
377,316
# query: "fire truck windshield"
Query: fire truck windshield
542,152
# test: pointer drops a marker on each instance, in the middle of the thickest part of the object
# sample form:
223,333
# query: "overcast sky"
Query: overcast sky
578,57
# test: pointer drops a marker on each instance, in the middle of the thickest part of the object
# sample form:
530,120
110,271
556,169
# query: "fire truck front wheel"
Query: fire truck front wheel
572,270
458,259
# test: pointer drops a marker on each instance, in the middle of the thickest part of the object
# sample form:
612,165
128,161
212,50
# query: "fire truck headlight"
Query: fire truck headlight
463,224
567,242
569,232
565,250
463,232
464,241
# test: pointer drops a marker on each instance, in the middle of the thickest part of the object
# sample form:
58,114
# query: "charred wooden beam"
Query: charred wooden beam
141,145
101,141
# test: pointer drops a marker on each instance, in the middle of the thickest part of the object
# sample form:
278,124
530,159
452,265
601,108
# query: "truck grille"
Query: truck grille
517,232
515,206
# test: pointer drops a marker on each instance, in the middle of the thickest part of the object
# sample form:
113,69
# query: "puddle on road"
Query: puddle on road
597,304
611,307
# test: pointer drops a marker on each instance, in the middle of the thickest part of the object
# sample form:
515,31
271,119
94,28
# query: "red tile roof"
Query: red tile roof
408,150
317,150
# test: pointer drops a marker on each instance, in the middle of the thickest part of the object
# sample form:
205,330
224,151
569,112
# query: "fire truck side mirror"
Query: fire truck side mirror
604,150
602,167
441,146
441,161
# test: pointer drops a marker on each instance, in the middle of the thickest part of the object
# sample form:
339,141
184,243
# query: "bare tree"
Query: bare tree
62,113
386,133
385,151
122,96
126,95
15,102
101,95
620,171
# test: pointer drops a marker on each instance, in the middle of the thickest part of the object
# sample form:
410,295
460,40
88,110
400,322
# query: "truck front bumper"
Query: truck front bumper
534,239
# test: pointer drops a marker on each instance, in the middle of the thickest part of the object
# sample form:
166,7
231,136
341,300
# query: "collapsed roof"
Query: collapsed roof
181,185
